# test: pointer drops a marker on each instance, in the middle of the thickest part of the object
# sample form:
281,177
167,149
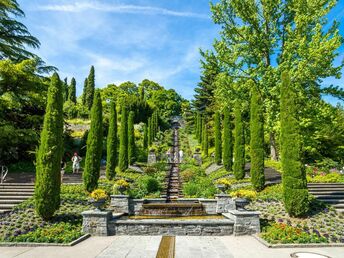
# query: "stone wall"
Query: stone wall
245,222
120,203
96,222
180,228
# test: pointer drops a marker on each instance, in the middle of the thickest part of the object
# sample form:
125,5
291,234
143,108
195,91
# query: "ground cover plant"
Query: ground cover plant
24,225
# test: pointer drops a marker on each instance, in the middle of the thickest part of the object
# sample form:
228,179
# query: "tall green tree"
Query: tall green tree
72,91
198,124
295,192
257,140
49,155
145,136
123,141
239,144
84,92
260,39
112,156
94,145
218,138
205,141
227,140
204,98
65,89
149,132
90,88
199,136
131,138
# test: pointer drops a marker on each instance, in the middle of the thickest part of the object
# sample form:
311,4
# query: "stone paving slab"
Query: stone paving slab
147,247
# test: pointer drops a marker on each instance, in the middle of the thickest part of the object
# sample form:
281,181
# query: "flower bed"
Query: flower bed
322,224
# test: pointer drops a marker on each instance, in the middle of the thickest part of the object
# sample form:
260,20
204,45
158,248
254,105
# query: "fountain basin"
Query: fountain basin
173,209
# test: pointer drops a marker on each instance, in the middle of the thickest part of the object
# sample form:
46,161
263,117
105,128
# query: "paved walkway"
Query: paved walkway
147,246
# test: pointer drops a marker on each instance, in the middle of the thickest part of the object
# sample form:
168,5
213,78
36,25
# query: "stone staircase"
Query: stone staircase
12,194
330,193
173,186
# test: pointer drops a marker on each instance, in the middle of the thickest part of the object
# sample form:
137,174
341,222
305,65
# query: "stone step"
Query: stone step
7,206
10,201
17,184
7,193
325,190
340,211
14,197
327,197
338,206
324,184
17,190
327,200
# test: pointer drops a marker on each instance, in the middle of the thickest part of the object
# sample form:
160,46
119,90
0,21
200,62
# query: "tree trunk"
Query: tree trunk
273,147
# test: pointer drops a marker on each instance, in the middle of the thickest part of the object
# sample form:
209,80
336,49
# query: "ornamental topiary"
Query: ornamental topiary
112,156
256,139
131,138
94,145
123,147
49,154
239,144
295,192
227,141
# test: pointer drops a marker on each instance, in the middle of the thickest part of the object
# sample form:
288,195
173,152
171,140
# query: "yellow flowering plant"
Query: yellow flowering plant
120,186
242,193
98,194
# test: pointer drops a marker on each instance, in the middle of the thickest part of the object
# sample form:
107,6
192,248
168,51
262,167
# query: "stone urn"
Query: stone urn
121,189
221,187
98,204
240,203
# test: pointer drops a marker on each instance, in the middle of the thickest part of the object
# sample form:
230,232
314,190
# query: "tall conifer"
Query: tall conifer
84,93
295,192
218,141
205,141
94,145
256,139
227,141
123,142
49,154
72,91
149,132
111,162
131,138
239,144
90,88
145,136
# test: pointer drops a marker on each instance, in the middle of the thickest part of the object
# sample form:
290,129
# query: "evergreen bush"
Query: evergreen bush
218,141
111,162
131,138
239,144
123,142
227,141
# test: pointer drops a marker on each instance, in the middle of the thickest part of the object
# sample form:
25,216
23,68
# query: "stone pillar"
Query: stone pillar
120,203
151,158
96,222
245,222
224,203
198,158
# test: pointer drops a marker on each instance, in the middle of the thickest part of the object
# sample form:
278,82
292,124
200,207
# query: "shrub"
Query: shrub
326,178
273,192
242,193
239,144
227,141
200,187
150,170
112,143
218,141
123,147
188,174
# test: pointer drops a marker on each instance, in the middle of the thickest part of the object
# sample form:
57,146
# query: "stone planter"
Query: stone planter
240,203
98,204
221,187
121,189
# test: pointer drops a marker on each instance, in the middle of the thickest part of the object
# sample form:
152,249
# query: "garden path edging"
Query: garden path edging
315,245
33,244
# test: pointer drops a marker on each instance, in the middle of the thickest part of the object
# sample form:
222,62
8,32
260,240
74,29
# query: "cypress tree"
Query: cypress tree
145,136
112,143
94,145
227,141
205,142
151,129
218,141
239,144
65,89
295,192
49,154
200,129
123,147
131,138
90,88
84,93
72,91
149,133
257,140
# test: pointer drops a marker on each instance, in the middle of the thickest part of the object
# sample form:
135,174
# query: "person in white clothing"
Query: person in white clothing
181,155
76,162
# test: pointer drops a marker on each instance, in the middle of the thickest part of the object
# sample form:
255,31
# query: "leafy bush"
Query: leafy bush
22,166
242,193
219,174
273,164
150,170
283,233
188,174
200,187
273,192
326,178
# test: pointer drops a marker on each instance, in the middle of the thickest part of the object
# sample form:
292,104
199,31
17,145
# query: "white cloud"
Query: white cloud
118,8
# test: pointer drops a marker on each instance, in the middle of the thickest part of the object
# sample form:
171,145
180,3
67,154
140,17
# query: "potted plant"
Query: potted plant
223,184
243,198
98,198
120,186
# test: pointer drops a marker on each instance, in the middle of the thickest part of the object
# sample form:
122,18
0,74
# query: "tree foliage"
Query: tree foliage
72,91
89,96
227,140
218,138
123,141
295,192
112,156
131,139
94,145
239,144
49,155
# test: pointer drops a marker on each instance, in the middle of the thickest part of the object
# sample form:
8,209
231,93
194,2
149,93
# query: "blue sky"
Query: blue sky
129,39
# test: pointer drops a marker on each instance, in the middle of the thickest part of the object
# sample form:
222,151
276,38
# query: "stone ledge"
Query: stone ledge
265,243
173,222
